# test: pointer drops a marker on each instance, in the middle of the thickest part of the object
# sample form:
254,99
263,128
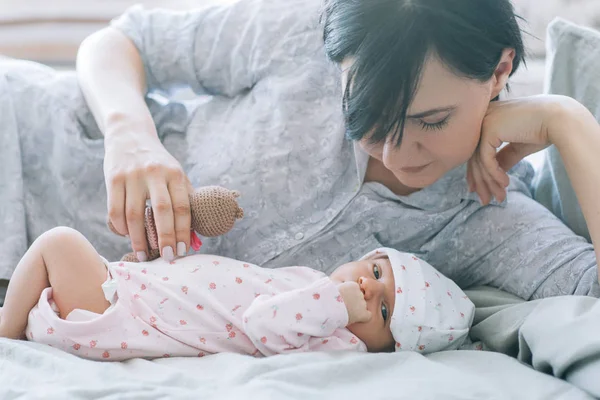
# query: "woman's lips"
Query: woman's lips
414,170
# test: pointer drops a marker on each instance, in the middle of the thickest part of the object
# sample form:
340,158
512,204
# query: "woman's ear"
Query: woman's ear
502,72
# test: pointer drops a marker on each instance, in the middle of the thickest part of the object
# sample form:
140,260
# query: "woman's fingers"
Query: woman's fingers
180,200
149,172
171,209
115,187
481,186
487,157
135,205
163,217
470,182
498,191
486,186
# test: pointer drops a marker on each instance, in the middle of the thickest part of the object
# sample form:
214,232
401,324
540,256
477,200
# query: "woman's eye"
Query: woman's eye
436,126
384,312
376,272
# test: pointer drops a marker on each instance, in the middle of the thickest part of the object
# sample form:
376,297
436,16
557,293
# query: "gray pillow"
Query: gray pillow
573,69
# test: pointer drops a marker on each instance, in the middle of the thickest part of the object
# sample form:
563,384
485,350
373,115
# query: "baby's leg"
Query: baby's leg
63,259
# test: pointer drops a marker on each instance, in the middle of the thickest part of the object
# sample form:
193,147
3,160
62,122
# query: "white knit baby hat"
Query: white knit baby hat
431,312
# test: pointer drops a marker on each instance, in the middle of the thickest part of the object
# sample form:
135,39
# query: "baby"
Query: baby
64,294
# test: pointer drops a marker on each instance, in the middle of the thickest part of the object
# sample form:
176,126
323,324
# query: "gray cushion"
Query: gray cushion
573,69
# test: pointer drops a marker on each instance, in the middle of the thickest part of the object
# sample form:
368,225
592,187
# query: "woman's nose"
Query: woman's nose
400,155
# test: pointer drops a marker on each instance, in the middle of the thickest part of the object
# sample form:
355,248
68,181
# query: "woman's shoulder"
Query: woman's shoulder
270,15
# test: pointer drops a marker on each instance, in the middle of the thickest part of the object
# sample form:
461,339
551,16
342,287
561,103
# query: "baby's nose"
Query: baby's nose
368,286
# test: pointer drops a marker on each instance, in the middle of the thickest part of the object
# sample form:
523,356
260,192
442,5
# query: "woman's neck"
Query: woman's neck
377,172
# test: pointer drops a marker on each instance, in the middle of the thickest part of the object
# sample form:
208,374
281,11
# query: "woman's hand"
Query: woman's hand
524,125
137,168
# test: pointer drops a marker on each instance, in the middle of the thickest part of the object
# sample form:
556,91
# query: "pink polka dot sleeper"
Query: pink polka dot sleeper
201,305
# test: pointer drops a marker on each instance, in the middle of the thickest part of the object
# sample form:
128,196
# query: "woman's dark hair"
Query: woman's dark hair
390,41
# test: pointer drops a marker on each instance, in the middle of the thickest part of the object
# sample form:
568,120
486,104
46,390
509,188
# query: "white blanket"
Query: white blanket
563,351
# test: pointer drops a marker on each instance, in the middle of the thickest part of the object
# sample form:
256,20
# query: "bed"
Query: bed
531,355
543,349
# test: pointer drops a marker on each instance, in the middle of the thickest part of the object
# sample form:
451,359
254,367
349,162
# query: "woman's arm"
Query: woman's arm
136,166
223,50
576,134
532,124
112,78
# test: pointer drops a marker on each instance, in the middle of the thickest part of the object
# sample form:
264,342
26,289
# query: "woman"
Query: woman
412,83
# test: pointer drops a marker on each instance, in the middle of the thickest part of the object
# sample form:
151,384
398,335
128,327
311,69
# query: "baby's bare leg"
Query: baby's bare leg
63,259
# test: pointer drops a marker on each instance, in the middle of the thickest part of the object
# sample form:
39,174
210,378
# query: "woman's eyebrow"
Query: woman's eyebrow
431,112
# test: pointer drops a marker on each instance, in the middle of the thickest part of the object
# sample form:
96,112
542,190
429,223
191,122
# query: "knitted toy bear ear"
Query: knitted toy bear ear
214,210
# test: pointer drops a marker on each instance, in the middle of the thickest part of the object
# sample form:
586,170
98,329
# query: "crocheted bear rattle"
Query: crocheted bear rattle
214,210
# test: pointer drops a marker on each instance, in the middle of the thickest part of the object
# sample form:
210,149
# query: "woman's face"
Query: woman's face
442,127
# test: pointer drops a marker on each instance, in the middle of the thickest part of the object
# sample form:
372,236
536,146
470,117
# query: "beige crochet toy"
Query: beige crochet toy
214,210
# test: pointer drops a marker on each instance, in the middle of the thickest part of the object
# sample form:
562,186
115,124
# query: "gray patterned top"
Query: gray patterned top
274,130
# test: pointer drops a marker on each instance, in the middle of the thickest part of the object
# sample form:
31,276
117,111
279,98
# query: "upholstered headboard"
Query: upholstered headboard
539,13
50,31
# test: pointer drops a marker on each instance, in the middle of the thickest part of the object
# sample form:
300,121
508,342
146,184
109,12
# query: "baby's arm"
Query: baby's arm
63,259
299,320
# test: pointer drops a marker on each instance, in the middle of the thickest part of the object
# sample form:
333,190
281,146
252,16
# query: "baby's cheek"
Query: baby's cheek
373,309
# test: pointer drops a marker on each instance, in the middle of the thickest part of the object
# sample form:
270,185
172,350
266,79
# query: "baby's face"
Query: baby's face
376,280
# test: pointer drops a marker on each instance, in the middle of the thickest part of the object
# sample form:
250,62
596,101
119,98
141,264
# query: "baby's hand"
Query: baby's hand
355,302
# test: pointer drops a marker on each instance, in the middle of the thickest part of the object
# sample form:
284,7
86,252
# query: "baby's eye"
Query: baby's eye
376,271
384,312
